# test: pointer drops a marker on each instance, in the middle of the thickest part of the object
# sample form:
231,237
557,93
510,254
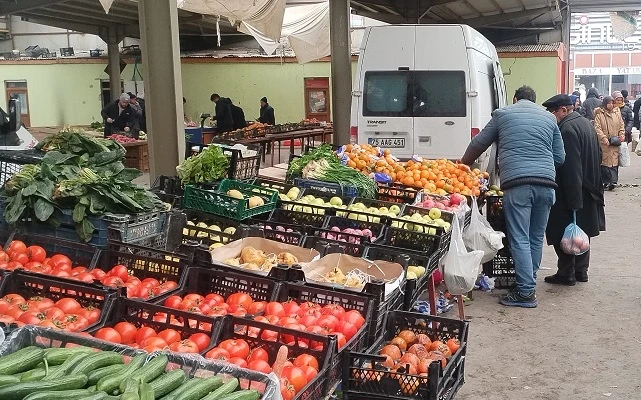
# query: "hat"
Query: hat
574,98
616,95
131,95
125,97
557,101
264,99
606,100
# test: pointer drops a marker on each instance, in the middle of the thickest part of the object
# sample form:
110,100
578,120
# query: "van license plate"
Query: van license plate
388,143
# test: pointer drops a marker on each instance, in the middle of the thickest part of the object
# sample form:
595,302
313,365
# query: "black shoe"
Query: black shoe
560,280
611,186
515,299
581,276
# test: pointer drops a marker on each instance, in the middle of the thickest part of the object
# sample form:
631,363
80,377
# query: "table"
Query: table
307,135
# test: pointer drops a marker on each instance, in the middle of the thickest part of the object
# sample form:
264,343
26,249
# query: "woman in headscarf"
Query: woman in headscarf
611,133
626,114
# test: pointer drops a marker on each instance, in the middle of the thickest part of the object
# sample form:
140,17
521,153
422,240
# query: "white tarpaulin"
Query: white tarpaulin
305,27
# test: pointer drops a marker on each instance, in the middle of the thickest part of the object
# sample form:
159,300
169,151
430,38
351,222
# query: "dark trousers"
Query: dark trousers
569,265
609,175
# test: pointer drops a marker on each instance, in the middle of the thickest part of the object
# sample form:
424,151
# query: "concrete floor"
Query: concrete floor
582,342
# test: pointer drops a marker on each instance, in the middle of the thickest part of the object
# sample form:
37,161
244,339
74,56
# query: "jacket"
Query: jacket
636,109
529,145
238,116
123,119
607,125
223,118
267,115
628,118
591,103
578,181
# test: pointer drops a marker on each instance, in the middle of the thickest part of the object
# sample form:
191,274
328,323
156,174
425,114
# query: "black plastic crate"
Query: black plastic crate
266,230
376,204
240,168
80,254
280,187
285,216
328,246
28,284
206,236
169,189
501,268
377,229
364,378
494,213
412,240
12,161
397,193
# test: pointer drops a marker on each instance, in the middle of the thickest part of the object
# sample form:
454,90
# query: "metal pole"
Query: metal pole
341,69
163,85
113,54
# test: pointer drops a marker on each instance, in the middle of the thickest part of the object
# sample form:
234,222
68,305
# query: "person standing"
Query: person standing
625,95
591,103
626,114
267,115
576,101
579,190
223,117
636,109
610,131
238,115
118,116
529,149
138,115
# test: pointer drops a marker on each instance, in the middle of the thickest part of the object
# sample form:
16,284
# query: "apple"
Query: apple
394,209
435,213
336,201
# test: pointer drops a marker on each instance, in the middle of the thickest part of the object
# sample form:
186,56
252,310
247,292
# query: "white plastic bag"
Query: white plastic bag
624,155
460,268
480,236
574,241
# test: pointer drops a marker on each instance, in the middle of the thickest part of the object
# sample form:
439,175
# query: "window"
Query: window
415,94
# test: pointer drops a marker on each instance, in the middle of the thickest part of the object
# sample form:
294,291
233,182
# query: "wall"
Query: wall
541,73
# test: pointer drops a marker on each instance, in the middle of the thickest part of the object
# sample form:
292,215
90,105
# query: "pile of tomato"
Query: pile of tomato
148,339
64,314
214,305
119,276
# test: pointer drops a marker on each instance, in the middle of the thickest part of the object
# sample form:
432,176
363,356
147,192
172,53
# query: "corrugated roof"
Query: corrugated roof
529,48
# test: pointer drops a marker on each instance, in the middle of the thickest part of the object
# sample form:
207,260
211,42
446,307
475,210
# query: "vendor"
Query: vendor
223,118
138,115
266,113
238,115
118,116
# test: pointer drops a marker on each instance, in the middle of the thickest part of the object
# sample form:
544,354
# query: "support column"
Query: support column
339,14
113,53
566,16
163,85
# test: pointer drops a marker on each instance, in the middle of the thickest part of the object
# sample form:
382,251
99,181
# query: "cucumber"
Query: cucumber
130,390
94,376
58,355
201,389
98,396
145,392
96,360
65,367
149,372
224,390
20,361
167,382
75,394
8,380
242,395
110,383
20,390
178,392
36,374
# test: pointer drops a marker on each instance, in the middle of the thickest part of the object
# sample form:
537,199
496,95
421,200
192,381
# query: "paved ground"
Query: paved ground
582,342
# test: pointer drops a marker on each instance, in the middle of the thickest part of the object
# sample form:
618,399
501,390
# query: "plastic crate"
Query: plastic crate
80,254
397,193
373,216
206,236
364,379
218,203
283,216
169,189
330,188
315,209
328,246
268,230
494,213
28,284
378,229
280,187
501,268
11,162
240,168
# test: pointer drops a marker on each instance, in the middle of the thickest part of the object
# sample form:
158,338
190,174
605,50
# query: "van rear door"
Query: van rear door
385,117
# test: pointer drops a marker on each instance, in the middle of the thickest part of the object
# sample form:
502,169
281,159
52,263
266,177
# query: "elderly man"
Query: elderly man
119,116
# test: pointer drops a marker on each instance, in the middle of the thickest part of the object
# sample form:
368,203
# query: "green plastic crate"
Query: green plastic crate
218,203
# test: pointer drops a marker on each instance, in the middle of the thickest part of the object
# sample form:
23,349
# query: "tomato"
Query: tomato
60,262
108,334
4,305
151,282
238,361
14,311
170,336
270,336
240,299
258,354
21,258
6,319
17,246
98,273
215,297
173,302
167,286
309,308
91,313
144,333
127,331
218,354
287,321
296,377
13,265
145,292
85,277
308,320
341,340
29,318
154,341
184,346
36,253
305,360
257,307
291,308
41,303
235,348
275,308
78,270
290,338
120,271
287,391
14,299
60,273
52,313
310,372
346,328
76,323
201,340
68,305
328,322
4,257
217,311
196,298
113,281
453,345
47,323
260,366
354,317
333,309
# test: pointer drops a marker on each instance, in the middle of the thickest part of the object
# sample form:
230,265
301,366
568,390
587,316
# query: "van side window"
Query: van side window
386,94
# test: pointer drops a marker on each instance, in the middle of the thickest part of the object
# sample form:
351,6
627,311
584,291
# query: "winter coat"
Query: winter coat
579,181
607,125
529,144
224,119
636,110
238,115
267,115
628,118
121,120
591,103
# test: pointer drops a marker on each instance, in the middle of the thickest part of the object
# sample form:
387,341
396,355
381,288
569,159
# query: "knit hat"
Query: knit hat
606,100
264,99
574,97
616,95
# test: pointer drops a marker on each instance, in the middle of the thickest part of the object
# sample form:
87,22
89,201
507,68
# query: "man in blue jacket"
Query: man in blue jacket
529,149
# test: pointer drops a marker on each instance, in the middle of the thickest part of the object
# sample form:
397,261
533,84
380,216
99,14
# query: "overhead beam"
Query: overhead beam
499,18
389,18
14,7
62,24
94,19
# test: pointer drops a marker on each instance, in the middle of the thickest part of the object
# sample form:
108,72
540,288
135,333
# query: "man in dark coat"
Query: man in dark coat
579,190
223,118
267,115
238,115
119,116
591,103
636,110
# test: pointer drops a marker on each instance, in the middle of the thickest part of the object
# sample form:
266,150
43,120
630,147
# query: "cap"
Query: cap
264,99
131,95
557,101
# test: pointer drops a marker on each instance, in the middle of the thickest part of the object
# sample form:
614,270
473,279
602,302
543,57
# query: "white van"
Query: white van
425,90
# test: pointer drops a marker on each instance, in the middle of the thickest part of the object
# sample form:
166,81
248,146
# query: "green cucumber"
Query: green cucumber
20,361
58,355
96,375
153,369
20,390
75,394
167,382
95,361
242,395
130,390
8,380
201,389
178,392
36,374
145,392
99,396
110,383
224,390
64,368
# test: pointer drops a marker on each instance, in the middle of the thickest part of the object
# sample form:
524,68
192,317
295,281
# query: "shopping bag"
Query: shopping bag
574,241
635,141
480,235
460,267
624,155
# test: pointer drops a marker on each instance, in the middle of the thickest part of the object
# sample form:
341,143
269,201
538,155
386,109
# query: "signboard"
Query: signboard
607,71
595,33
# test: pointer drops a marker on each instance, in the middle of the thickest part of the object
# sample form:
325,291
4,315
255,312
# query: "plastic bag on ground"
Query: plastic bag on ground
574,241
460,267
624,155
480,236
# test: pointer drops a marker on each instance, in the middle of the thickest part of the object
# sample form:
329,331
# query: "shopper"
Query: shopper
626,114
576,101
223,117
118,116
591,103
625,95
636,110
529,148
267,115
138,115
578,190
238,115
611,133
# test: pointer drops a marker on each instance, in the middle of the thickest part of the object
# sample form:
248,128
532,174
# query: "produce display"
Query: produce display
124,139
313,204
119,276
427,222
215,305
453,203
147,339
208,166
256,260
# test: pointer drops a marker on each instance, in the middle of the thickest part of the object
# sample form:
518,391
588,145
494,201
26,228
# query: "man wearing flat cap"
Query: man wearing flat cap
578,189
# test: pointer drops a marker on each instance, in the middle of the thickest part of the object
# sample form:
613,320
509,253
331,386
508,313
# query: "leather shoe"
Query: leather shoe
581,276
560,280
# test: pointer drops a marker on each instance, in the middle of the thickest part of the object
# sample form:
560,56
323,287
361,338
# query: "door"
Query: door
317,99
105,91
18,89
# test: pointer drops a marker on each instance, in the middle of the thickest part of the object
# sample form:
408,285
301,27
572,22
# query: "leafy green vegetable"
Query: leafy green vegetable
209,165
324,152
323,170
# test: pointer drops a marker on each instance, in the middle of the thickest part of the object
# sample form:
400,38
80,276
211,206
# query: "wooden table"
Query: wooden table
307,135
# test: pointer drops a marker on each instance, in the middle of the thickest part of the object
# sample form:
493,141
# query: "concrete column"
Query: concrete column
566,16
339,14
163,85
113,53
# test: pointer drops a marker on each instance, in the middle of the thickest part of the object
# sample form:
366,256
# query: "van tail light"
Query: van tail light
353,134
475,131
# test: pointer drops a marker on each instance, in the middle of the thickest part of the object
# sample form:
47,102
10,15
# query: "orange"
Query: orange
351,164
